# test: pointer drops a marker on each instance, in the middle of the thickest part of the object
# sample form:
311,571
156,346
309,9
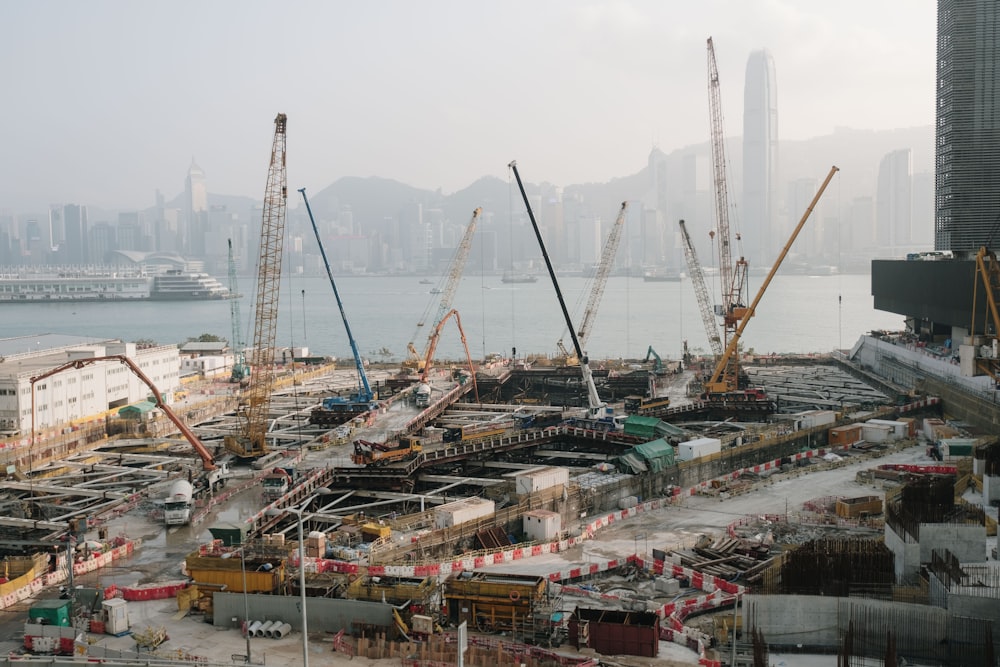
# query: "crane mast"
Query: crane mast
365,394
701,292
240,371
601,277
455,271
732,277
251,442
595,406
727,370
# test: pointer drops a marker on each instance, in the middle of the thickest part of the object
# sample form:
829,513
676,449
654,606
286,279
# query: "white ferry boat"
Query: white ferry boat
50,284
176,285
112,284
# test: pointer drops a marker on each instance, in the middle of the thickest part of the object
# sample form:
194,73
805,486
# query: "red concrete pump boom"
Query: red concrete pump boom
207,460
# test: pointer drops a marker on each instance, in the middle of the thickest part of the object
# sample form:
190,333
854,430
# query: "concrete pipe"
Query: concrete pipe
252,628
262,630
281,631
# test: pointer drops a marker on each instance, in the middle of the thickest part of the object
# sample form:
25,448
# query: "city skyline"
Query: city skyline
433,94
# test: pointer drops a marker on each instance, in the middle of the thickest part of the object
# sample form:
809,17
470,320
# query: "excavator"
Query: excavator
214,473
335,410
658,363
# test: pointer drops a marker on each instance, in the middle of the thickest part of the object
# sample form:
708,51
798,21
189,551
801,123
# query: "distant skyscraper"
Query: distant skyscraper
75,225
967,182
760,159
893,201
196,191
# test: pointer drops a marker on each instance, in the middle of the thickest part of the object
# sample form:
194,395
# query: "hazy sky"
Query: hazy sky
106,101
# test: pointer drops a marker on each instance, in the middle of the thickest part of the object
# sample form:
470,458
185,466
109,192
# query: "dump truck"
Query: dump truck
369,453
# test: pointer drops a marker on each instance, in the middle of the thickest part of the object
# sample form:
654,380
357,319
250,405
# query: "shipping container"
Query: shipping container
900,430
537,479
876,432
844,436
698,448
460,511
957,447
615,632
542,525
814,418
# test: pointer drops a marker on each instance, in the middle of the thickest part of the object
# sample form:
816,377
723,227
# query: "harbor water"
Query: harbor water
797,314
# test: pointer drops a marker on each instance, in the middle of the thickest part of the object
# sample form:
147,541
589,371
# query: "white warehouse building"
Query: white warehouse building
75,393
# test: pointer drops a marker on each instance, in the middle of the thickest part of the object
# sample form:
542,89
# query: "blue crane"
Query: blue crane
365,398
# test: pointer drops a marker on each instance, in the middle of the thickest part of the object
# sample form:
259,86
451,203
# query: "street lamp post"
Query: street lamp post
297,511
246,602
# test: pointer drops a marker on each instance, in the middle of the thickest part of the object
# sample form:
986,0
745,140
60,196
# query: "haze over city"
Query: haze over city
110,100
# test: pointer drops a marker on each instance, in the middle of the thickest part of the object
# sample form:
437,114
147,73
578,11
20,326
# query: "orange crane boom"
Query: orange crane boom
207,459
432,346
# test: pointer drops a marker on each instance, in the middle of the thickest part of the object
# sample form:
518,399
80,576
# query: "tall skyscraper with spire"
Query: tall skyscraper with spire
967,179
196,192
760,160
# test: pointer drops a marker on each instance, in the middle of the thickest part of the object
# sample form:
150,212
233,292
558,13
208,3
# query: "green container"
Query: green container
50,612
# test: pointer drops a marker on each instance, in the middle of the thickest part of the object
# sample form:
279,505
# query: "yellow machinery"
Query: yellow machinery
251,441
494,602
726,376
988,272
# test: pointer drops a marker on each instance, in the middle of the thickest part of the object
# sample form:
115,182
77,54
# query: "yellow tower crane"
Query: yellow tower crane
251,441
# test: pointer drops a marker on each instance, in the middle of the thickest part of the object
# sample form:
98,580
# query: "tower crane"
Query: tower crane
733,277
448,293
240,370
725,379
364,400
600,279
251,441
596,408
701,292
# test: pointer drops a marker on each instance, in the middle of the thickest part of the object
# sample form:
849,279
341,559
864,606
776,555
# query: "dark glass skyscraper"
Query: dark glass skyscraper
760,159
967,164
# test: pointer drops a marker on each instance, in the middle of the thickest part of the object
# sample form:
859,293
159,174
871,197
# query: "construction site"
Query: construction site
714,509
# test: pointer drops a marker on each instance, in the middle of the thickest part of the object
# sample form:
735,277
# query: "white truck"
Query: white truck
177,507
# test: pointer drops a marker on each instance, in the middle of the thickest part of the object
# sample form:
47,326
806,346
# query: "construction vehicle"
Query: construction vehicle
733,277
276,483
241,372
596,409
455,270
214,473
251,440
178,503
725,383
367,453
429,358
658,368
701,292
600,281
335,410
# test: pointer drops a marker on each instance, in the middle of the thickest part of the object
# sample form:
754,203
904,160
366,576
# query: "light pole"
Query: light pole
246,602
297,511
